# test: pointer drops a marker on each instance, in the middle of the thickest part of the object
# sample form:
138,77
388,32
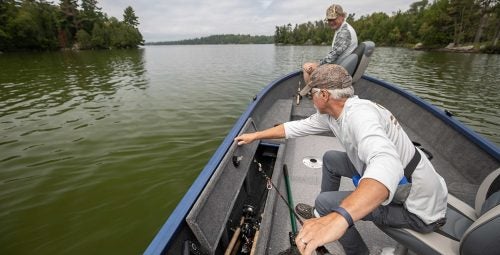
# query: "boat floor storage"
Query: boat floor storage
226,219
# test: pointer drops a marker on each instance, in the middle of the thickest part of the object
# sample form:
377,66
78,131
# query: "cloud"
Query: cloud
183,19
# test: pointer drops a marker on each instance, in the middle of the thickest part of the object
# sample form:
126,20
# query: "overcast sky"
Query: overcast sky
170,20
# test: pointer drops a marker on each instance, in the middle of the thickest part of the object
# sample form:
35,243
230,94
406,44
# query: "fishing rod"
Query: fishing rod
298,95
299,88
321,250
245,236
290,199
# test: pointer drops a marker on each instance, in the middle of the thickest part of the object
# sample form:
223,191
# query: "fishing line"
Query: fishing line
271,185
321,250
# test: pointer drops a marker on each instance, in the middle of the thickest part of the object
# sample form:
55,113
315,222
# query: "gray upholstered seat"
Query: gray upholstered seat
357,61
467,230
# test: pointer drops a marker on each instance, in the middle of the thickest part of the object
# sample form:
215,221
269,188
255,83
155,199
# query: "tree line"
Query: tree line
222,39
435,25
41,25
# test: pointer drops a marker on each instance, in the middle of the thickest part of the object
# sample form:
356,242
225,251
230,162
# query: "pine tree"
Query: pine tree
129,17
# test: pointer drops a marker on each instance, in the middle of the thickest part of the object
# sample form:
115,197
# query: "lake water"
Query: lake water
97,148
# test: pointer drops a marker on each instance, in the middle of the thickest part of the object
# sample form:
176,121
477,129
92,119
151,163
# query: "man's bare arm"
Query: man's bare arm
271,133
318,231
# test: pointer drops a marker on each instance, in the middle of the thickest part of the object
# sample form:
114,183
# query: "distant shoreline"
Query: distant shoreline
452,49
221,39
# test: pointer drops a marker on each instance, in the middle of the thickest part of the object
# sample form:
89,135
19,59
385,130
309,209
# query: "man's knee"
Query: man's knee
309,67
326,201
333,156
305,66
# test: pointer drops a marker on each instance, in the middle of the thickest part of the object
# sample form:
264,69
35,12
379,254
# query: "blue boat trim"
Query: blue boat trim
480,141
170,228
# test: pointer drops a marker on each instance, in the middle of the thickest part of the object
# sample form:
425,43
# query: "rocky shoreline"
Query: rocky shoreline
450,48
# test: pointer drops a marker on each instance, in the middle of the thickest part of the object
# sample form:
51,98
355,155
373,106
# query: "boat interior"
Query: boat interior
243,209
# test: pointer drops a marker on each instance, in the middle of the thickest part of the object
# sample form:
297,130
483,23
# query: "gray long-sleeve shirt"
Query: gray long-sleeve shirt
344,42
379,149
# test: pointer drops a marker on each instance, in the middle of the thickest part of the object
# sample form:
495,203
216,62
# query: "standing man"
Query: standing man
344,41
377,149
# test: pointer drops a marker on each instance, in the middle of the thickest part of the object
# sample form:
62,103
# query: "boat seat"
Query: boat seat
467,230
358,60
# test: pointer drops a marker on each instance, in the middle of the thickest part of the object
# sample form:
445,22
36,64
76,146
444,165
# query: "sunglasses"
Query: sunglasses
311,92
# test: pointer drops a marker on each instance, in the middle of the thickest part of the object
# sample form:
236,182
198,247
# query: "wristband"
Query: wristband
344,214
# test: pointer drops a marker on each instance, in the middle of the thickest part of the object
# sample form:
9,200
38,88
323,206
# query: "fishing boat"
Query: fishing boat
240,202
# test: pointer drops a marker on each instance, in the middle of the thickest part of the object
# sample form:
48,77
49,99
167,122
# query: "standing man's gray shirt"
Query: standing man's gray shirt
344,42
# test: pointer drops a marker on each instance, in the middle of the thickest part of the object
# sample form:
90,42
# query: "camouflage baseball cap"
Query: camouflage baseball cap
334,11
328,76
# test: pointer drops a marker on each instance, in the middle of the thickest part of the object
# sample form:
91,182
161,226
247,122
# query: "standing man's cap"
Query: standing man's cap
334,11
328,76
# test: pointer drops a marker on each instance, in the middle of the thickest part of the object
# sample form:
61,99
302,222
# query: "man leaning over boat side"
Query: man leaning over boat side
378,151
344,40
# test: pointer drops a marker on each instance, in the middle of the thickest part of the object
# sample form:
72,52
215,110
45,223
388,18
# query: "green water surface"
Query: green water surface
98,147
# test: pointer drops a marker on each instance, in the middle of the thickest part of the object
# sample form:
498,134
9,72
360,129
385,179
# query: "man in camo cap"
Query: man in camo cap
332,77
378,155
344,40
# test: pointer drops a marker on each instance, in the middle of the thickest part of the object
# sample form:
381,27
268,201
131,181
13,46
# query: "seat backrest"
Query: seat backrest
356,62
489,185
465,232
483,236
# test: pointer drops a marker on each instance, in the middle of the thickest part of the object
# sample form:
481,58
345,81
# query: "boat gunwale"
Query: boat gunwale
166,233
460,127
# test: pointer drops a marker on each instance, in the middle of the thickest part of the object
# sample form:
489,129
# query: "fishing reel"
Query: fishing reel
249,228
250,223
